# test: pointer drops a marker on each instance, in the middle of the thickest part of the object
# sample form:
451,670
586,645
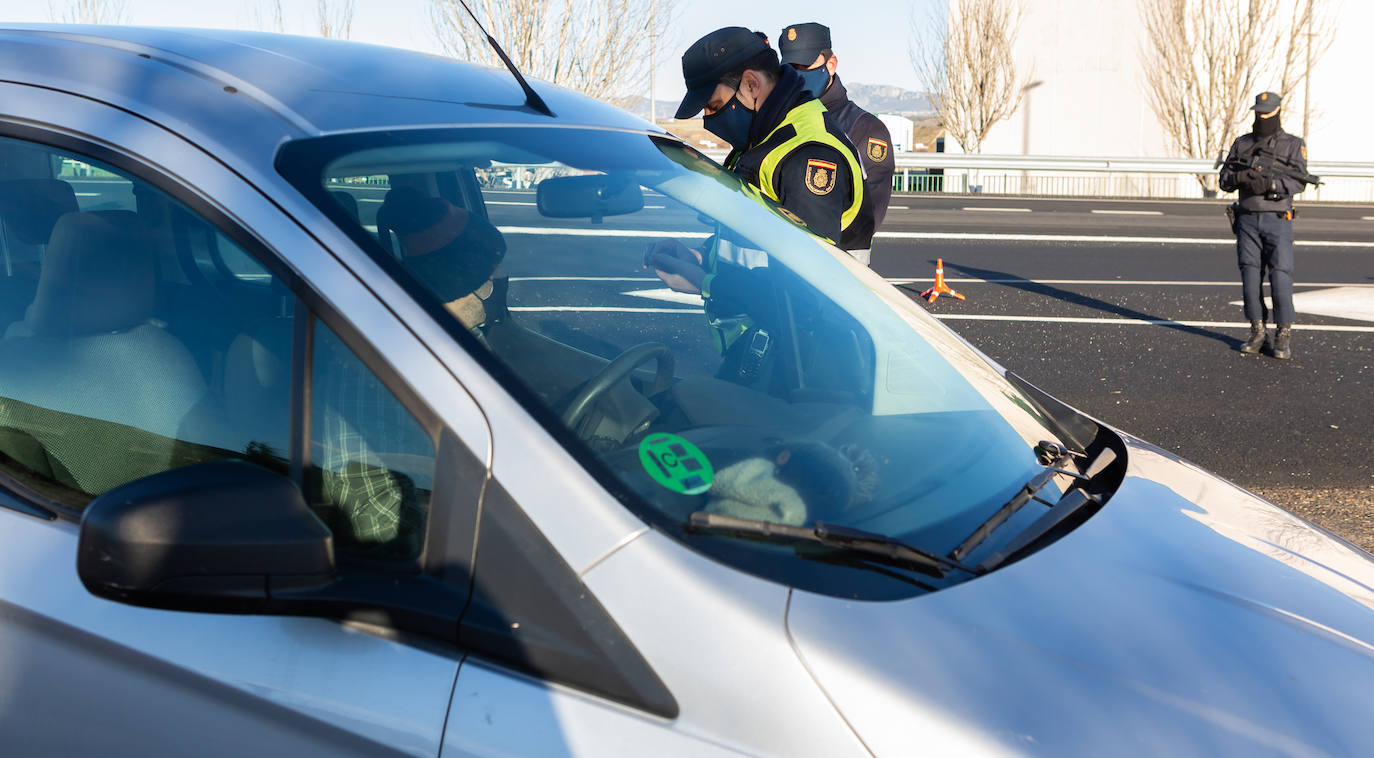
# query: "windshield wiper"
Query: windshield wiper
1073,502
1052,456
867,545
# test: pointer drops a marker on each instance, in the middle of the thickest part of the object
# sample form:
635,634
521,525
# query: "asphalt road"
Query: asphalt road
1131,316
1125,309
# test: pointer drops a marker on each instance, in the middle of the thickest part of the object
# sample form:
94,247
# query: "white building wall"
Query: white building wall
1342,104
1092,100
901,130
1089,100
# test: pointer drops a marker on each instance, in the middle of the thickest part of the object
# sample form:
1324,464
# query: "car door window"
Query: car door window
122,355
372,469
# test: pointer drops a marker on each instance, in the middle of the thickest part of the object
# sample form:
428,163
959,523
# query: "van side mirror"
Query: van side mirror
218,537
594,196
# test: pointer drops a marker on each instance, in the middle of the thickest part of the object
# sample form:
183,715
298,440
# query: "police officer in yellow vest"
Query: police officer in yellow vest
784,145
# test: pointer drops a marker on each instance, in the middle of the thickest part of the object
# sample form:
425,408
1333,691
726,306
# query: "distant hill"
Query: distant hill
885,98
874,98
639,106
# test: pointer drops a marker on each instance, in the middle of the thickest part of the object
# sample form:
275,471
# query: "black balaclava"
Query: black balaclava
1266,127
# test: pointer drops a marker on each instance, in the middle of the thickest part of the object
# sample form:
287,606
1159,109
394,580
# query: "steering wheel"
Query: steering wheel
617,370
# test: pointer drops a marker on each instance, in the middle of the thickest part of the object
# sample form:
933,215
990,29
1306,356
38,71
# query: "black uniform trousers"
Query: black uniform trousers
1264,242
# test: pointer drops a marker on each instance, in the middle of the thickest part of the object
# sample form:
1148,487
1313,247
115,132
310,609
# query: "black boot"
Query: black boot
1282,335
1257,337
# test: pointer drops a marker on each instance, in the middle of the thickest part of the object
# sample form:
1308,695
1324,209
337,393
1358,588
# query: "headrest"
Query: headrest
98,276
349,203
30,207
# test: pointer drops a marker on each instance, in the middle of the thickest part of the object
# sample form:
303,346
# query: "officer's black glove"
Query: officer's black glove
1257,183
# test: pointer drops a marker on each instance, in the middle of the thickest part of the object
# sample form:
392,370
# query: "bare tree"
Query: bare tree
1204,60
1310,30
89,11
601,48
967,63
269,17
335,17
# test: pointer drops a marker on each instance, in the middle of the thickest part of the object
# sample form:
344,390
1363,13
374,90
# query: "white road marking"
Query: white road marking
973,236
970,317
668,296
1127,213
899,207
88,194
584,279
1126,282
598,309
971,280
994,209
952,236
1354,303
1142,322
1367,218
567,232
486,202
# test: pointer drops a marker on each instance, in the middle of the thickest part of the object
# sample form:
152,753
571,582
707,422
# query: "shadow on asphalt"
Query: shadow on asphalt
1079,299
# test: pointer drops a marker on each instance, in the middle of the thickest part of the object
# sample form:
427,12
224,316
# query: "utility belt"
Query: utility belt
1234,212
1287,215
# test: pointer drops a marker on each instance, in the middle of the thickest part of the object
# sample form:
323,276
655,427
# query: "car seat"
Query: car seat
29,208
105,391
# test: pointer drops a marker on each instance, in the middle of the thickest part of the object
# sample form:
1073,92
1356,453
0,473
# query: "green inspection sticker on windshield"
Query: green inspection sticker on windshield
676,463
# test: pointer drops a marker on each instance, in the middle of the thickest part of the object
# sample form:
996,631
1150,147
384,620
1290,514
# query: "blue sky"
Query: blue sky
870,36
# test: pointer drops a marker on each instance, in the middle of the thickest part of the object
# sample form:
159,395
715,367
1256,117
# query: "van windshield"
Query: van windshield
690,340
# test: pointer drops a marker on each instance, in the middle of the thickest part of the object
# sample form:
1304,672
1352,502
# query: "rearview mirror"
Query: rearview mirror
221,537
593,196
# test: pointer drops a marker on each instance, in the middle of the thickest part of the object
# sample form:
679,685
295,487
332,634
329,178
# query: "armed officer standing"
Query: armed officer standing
1268,166
806,47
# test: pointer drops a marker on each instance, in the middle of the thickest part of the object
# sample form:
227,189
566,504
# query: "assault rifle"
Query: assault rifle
1267,164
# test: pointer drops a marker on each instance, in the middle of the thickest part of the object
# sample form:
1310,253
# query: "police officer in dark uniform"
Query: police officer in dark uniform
1264,222
786,148
783,142
806,47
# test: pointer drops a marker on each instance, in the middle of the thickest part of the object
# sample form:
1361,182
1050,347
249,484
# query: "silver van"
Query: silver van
339,415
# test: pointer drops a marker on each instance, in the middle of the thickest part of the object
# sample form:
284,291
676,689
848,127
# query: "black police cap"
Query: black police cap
801,43
712,58
1266,102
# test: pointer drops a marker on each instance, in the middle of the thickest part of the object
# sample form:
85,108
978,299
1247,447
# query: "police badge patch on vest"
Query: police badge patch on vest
820,176
877,149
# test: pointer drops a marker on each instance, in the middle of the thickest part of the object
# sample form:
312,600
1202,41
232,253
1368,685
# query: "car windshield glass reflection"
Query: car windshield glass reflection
688,339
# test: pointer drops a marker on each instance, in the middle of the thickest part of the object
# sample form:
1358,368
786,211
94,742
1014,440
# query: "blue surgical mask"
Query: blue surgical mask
731,123
815,80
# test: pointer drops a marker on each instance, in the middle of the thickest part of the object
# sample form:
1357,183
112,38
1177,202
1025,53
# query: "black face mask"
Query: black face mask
816,80
731,123
1266,127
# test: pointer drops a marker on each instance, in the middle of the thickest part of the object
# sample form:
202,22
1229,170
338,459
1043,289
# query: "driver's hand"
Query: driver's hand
677,265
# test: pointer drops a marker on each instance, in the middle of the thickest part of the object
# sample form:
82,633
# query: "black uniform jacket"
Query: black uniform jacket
820,212
1286,147
871,139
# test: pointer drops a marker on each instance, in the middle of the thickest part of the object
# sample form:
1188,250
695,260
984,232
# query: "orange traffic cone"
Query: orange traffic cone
940,288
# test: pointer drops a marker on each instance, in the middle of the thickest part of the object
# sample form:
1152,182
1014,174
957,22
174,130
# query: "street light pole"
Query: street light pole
1307,81
1025,126
653,59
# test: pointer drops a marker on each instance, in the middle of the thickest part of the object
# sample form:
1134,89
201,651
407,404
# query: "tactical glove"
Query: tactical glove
1257,183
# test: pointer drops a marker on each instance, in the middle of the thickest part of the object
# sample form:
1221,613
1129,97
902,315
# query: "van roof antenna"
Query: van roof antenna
532,98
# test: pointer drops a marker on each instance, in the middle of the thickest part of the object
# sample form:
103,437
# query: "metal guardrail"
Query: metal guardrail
1046,175
950,161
